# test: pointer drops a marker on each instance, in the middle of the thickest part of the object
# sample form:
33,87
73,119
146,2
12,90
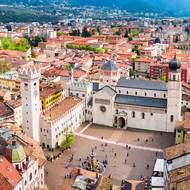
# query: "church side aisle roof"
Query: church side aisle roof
142,84
141,101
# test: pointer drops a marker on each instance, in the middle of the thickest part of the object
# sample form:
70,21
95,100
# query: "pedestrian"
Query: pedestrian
126,146
115,154
147,167
156,153
127,154
134,165
102,137
138,139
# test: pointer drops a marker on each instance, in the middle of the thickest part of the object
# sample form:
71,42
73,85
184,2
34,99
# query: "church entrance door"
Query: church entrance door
121,122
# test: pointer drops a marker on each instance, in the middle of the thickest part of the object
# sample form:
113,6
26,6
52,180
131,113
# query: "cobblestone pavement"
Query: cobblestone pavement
121,165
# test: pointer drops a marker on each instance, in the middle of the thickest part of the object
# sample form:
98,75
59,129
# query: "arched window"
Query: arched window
171,118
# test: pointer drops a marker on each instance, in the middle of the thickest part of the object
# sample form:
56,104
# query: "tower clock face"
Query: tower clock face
102,108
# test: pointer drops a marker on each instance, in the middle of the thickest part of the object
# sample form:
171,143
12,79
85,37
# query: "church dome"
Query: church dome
109,66
174,64
15,152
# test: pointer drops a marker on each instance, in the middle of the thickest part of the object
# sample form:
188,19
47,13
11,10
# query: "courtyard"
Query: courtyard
124,162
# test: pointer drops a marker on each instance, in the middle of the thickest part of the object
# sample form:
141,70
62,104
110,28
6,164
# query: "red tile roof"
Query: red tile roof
78,73
56,72
12,53
9,176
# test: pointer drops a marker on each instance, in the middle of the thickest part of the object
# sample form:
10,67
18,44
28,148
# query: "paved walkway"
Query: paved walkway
118,143
82,131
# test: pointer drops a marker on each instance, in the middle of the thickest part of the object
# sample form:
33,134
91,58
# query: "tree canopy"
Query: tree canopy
10,44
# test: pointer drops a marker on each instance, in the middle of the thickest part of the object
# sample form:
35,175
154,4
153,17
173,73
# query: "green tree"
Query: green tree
135,32
130,38
136,50
118,33
68,67
75,32
68,141
60,33
86,33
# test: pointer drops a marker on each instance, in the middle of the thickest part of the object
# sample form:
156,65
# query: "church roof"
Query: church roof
109,90
141,101
142,84
109,66
15,153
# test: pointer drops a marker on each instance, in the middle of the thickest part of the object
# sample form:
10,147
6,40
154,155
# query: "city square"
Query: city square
128,153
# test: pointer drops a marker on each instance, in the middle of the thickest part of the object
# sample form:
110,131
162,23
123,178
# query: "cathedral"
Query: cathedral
140,104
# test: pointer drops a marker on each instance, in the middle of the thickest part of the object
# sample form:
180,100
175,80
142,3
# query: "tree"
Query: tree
100,50
69,140
60,33
136,50
130,38
135,32
118,33
68,67
86,33
9,44
75,32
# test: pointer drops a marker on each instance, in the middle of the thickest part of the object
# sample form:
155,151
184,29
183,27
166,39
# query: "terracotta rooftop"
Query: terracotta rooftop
9,176
14,103
56,72
5,110
12,53
50,89
185,124
32,148
177,151
59,109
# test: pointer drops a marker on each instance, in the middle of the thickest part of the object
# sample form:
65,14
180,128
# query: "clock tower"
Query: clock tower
30,77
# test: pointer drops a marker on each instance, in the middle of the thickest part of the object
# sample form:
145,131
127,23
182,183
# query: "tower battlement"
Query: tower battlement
29,72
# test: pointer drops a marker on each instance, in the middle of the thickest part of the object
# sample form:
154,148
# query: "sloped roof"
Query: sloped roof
141,101
109,90
109,66
142,84
15,153
9,176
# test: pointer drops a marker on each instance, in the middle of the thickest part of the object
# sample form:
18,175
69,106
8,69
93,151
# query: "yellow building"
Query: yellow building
9,84
49,94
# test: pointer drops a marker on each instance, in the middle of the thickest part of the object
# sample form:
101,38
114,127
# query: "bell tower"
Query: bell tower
30,95
174,94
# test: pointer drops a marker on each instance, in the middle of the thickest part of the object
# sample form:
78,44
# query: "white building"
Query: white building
24,162
30,101
16,106
84,90
67,115
157,180
141,104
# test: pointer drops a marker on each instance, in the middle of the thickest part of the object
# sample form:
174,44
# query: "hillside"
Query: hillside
173,6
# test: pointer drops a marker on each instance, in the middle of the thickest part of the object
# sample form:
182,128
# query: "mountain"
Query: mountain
140,5
173,7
